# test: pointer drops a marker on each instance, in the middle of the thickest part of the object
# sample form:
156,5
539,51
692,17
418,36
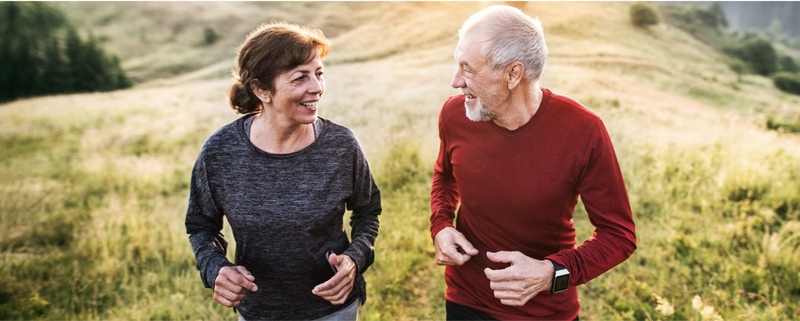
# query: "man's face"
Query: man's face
484,87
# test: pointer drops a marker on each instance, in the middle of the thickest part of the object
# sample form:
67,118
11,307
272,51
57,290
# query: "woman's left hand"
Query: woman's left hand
337,289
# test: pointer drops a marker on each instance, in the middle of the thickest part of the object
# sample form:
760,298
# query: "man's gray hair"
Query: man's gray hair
509,35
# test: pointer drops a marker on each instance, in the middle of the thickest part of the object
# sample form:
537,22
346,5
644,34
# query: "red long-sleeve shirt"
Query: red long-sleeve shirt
517,192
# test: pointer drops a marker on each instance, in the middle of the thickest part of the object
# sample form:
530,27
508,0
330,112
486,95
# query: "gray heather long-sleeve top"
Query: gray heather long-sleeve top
286,211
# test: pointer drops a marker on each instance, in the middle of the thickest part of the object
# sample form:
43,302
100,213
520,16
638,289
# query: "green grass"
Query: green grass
93,187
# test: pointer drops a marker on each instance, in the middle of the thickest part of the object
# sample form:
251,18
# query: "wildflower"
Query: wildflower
707,312
663,306
697,303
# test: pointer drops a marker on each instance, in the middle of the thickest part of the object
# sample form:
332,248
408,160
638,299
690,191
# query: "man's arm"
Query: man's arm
605,198
452,248
603,193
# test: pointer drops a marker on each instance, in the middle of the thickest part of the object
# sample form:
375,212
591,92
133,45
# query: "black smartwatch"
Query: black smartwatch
560,278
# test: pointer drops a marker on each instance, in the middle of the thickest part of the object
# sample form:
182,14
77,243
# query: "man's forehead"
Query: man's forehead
458,52
468,46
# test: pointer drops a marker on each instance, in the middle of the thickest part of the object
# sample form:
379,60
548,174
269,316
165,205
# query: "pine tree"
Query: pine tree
55,77
9,17
120,78
25,73
75,62
96,77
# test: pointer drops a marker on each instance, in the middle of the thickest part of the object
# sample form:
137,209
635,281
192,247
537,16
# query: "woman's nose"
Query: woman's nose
317,86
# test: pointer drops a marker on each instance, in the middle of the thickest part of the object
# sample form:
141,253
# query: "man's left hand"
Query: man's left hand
337,289
522,280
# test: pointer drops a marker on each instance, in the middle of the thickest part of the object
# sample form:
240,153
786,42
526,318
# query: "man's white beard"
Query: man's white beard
478,113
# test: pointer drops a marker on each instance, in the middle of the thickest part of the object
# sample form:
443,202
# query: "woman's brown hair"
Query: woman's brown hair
268,51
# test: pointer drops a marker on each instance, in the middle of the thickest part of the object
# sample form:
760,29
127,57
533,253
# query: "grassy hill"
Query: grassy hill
93,187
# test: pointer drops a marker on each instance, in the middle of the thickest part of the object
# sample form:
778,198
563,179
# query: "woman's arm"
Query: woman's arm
204,225
365,204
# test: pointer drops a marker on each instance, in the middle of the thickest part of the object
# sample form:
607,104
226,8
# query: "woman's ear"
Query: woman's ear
262,94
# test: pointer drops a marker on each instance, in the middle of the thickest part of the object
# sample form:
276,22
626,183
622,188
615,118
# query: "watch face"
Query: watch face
561,281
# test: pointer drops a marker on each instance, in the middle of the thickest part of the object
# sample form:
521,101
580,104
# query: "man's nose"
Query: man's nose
458,80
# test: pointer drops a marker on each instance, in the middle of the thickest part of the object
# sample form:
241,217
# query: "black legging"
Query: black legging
457,312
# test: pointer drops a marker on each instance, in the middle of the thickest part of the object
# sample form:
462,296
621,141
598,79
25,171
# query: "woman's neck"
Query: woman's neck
276,137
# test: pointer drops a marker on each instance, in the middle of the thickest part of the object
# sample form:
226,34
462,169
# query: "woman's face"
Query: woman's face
297,93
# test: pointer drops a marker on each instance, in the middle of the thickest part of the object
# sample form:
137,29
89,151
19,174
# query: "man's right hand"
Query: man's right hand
232,284
452,248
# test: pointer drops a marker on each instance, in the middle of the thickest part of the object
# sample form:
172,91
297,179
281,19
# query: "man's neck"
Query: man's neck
523,102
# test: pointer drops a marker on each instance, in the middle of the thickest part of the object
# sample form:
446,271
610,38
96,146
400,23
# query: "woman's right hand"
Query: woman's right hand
232,284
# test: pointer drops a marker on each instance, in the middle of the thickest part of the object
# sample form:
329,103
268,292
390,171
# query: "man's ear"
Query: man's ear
514,73
262,94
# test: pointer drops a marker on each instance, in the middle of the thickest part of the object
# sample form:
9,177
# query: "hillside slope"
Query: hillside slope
165,39
160,43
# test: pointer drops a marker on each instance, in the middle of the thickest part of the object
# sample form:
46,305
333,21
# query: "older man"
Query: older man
514,164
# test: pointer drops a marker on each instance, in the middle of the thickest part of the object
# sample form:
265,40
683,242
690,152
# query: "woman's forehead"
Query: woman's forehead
314,64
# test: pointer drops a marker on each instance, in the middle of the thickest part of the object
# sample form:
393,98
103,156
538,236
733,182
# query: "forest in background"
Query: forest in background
42,53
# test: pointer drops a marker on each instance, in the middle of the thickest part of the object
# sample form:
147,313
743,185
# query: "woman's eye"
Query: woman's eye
301,78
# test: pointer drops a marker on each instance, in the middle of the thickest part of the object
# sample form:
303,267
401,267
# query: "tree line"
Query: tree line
42,53
746,52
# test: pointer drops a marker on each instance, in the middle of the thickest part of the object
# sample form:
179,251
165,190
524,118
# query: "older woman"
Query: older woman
283,177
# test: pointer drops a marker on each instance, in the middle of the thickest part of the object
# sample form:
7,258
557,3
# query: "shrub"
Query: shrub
757,52
762,56
643,15
788,82
788,64
786,126
210,35
736,65
705,24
